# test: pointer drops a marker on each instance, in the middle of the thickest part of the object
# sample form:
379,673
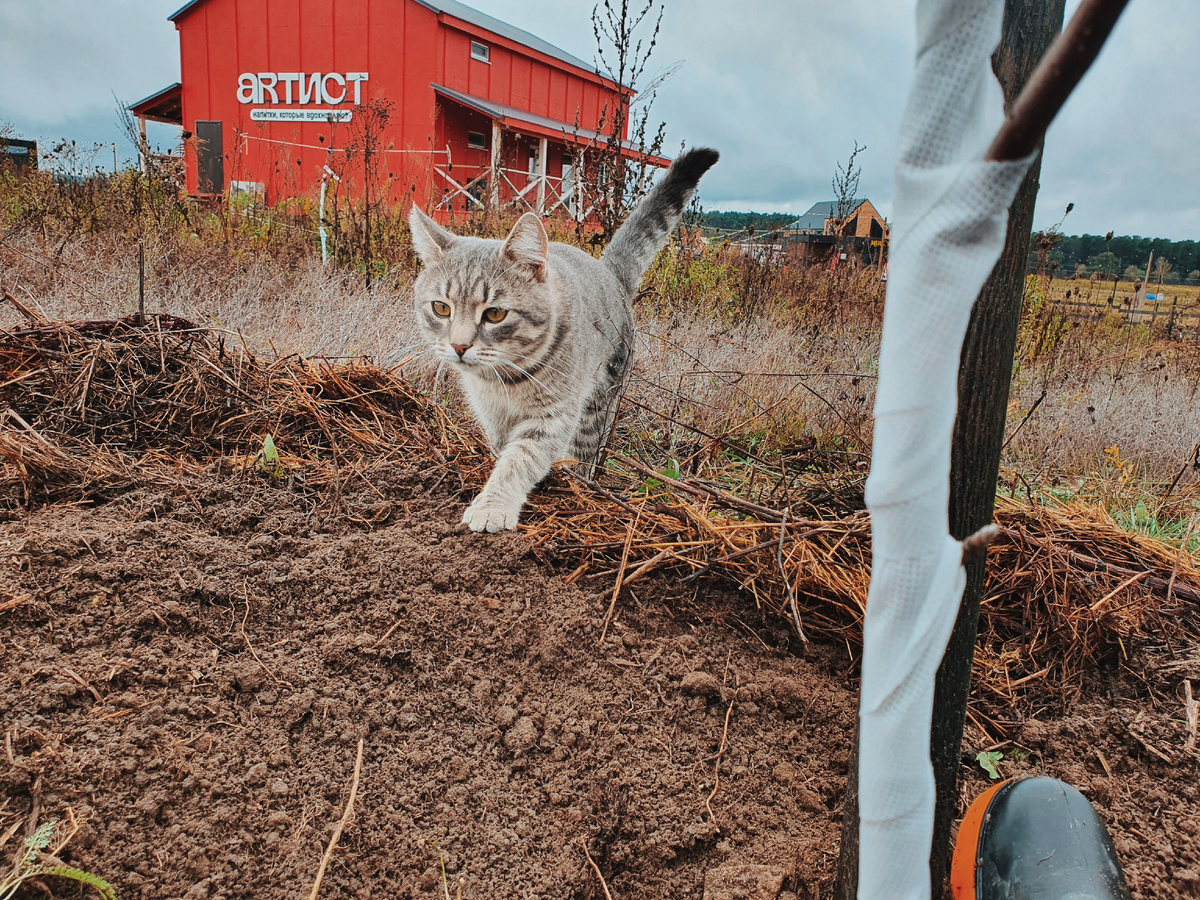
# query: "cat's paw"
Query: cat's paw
488,514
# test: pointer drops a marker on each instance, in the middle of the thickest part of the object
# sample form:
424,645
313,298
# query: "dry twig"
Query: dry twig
596,869
341,825
717,770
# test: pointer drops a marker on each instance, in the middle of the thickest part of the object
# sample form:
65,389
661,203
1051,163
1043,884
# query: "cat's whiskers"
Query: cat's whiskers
554,394
496,372
548,365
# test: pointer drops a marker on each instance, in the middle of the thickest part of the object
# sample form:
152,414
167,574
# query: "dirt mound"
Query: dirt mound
191,671
197,633
192,674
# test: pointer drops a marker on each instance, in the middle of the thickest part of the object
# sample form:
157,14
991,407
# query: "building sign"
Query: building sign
302,89
276,87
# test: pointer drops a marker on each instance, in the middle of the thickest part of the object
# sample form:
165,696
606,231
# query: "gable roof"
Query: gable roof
814,219
474,17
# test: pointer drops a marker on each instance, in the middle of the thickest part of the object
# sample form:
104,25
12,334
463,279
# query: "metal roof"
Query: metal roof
475,17
814,219
512,116
161,106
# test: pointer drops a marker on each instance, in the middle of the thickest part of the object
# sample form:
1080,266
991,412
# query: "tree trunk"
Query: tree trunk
984,376
985,372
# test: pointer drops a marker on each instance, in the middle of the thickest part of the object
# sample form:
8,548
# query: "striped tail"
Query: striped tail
636,243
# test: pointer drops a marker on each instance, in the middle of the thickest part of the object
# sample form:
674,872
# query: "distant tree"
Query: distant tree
1171,277
1105,263
1194,276
845,189
623,53
1133,273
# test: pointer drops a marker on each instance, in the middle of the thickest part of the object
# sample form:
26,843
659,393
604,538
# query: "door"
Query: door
210,161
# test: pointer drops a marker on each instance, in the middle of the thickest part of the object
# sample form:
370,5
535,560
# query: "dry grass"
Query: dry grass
96,407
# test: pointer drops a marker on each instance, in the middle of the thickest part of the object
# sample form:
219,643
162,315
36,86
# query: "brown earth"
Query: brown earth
190,671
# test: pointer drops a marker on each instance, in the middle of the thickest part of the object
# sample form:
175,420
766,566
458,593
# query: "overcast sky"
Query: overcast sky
783,88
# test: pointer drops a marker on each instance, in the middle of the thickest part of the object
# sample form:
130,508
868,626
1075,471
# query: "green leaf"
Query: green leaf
103,888
988,759
268,458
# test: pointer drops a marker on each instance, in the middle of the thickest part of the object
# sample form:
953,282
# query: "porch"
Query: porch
499,158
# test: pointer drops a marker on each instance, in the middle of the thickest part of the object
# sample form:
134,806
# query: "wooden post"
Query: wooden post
543,147
143,148
141,282
497,164
1139,301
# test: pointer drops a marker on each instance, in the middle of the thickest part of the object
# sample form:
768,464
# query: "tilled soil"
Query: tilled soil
191,671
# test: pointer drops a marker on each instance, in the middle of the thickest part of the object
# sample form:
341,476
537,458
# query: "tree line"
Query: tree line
739,221
1107,257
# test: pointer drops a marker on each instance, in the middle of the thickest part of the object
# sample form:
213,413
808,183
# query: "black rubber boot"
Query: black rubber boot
1035,839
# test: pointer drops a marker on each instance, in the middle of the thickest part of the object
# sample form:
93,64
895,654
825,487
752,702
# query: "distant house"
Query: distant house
21,155
863,220
863,233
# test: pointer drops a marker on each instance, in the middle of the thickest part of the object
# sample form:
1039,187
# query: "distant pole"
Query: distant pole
1139,301
114,157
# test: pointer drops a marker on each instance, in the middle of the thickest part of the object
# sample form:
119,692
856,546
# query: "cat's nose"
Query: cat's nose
460,349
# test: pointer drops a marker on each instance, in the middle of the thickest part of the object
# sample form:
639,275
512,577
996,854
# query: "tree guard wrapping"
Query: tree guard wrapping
950,216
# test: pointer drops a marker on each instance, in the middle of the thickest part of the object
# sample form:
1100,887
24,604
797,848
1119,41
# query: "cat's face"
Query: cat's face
483,306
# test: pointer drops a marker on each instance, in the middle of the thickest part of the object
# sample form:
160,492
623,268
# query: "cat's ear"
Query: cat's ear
429,238
527,246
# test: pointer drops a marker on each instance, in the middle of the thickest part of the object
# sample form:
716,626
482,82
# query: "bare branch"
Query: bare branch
1065,63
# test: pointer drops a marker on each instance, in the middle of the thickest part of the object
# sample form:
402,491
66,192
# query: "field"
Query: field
236,671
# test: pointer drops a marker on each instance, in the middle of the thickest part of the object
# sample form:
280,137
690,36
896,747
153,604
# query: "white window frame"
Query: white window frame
481,144
481,52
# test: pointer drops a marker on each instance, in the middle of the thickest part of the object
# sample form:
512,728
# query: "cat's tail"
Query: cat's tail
636,243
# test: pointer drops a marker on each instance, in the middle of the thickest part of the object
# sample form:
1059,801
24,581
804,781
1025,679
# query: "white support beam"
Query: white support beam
543,147
143,148
497,163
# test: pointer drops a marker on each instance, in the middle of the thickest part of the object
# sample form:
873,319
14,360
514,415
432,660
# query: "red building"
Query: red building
456,109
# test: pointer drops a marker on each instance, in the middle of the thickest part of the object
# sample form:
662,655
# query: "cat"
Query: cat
540,334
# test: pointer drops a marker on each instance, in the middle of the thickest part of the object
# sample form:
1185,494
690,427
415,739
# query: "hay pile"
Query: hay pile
91,408
1068,589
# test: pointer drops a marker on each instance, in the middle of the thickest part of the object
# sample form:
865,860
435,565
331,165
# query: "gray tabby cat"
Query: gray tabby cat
540,334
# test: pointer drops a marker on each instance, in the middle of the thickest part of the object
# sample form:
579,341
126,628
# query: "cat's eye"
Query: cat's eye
495,314
441,309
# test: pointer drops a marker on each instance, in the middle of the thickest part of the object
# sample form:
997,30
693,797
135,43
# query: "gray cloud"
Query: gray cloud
782,87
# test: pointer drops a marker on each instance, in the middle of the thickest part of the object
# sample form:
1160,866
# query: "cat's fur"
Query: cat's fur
545,380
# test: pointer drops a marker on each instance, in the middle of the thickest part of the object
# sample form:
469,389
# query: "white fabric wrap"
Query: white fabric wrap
951,211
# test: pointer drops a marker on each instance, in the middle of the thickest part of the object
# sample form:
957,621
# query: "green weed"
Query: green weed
28,867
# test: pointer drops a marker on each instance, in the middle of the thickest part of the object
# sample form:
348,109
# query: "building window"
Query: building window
476,141
480,52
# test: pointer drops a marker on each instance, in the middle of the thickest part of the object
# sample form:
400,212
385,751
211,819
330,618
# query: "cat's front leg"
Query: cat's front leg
531,449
